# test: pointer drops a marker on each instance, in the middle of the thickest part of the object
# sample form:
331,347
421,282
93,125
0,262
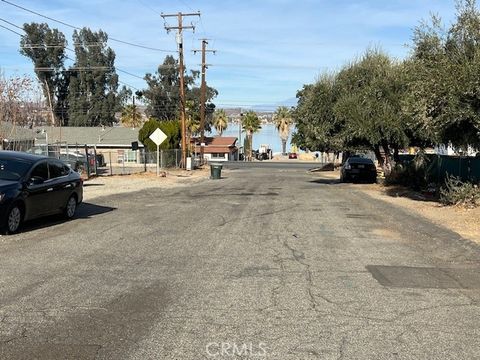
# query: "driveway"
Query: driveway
273,263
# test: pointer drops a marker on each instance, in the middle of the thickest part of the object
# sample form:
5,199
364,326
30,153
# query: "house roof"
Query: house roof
228,141
218,144
15,133
100,136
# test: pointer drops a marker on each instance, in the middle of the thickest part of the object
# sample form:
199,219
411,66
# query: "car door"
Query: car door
37,191
59,183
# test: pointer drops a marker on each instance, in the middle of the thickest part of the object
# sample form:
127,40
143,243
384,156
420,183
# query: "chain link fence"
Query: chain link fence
91,161
125,162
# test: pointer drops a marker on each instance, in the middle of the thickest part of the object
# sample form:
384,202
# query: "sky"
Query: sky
266,50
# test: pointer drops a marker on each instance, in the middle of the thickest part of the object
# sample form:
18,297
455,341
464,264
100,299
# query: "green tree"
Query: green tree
131,116
369,106
444,95
251,124
171,128
220,121
163,93
317,128
45,47
93,98
283,121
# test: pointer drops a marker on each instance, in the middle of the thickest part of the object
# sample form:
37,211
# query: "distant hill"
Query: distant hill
261,108
272,107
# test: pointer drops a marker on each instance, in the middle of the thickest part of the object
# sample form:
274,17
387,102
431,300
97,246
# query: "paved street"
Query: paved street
273,263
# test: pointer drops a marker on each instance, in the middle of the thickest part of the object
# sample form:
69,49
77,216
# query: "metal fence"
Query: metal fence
91,161
466,168
118,162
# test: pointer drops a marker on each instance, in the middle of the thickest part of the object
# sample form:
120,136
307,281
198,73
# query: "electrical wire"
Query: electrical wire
69,58
77,28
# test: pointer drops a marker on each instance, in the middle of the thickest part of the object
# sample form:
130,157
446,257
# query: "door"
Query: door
59,182
38,191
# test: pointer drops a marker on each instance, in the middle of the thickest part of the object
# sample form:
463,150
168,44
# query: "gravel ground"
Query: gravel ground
463,221
121,184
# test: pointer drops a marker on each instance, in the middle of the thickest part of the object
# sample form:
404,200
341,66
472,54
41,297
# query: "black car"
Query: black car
358,169
33,186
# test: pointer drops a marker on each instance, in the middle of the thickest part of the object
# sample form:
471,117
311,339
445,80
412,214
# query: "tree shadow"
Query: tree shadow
326,181
84,211
402,191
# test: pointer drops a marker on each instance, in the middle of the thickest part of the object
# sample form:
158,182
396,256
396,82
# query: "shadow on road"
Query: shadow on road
87,210
84,211
326,181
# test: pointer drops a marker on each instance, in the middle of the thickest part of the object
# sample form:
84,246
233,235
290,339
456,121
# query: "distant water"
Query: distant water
267,135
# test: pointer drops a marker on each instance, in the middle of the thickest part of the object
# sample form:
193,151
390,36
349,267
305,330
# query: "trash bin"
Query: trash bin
215,171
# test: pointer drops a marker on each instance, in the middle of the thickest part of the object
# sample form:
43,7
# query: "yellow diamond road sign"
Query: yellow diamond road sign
158,137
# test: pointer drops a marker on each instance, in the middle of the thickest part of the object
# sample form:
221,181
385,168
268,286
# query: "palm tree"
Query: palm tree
251,124
131,116
193,127
283,120
220,121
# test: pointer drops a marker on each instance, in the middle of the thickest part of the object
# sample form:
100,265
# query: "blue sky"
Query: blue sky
266,49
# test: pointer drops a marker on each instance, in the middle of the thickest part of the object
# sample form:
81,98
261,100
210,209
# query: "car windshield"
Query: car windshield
13,169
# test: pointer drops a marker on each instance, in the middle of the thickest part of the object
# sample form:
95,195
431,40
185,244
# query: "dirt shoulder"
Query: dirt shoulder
119,184
465,222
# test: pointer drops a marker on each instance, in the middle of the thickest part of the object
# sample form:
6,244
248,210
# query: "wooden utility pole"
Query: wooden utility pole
203,93
180,29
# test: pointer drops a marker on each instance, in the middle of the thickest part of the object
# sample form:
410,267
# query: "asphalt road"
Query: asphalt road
263,264
289,164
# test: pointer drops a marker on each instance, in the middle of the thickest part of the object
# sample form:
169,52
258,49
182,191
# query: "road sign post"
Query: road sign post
158,137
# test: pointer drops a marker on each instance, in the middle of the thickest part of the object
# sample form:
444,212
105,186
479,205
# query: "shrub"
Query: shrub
413,174
456,192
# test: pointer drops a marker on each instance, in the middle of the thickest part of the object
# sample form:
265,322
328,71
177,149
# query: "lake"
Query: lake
267,135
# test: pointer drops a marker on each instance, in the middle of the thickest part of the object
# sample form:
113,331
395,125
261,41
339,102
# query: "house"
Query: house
15,138
217,148
115,143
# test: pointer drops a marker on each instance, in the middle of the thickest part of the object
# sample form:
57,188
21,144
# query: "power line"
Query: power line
77,28
69,58
128,73
149,7
13,31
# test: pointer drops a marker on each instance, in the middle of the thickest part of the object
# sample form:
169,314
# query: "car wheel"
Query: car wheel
14,219
71,207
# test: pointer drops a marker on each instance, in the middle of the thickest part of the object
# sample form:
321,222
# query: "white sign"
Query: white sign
158,137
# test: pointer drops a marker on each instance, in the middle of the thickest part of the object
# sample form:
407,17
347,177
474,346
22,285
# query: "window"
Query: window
131,156
218,155
40,171
13,169
57,169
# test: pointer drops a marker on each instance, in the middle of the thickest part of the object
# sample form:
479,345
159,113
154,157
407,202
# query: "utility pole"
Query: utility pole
134,112
203,93
180,29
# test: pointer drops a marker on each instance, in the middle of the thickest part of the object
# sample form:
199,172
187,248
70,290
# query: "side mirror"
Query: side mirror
36,180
